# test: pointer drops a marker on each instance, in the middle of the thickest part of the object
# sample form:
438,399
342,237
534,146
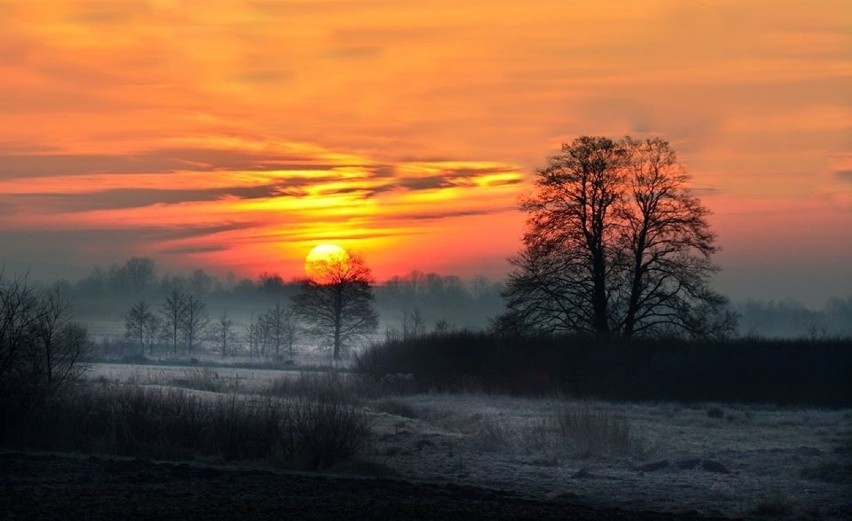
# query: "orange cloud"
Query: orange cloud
242,132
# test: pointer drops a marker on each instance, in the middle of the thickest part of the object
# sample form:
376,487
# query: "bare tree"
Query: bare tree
173,312
142,325
615,244
40,344
195,321
668,244
413,324
18,313
53,315
337,304
223,332
252,337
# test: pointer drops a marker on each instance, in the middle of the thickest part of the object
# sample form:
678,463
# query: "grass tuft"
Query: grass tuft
589,431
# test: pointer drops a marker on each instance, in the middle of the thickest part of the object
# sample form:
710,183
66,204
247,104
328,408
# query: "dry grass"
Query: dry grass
589,430
174,423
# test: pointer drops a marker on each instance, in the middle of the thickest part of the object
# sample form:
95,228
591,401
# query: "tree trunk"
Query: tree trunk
338,312
599,303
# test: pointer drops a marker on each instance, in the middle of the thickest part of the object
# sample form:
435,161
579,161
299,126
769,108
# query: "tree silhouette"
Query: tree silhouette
141,324
173,312
336,304
195,321
223,332
615,244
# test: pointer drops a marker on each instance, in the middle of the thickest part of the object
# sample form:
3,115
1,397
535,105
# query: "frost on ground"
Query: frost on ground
715,459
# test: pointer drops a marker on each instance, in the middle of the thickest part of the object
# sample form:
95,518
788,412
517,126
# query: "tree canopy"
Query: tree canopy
616,244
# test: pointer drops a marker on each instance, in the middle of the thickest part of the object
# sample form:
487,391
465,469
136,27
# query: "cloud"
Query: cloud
844,175
138,198
165,160
354,52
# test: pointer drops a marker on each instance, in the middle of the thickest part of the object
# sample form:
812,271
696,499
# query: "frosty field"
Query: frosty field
714,459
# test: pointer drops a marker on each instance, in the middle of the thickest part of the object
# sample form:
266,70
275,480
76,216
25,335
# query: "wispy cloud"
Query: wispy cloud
396,126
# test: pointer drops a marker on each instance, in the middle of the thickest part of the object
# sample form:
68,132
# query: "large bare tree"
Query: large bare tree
616,244
336,303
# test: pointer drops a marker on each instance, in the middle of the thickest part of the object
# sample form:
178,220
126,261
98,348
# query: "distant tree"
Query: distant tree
195,321
278,327
173,311
140,273
615,244
141,325
201,283
223,332
413,324
252,336
270,282
337,303
135,276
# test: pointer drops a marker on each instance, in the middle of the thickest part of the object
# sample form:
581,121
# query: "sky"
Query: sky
235,135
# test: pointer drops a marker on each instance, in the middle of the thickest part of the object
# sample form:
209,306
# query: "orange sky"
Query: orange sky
236,134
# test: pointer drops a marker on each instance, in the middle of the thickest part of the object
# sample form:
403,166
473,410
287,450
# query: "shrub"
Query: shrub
323,432
662,369
588,431
327,386
173,423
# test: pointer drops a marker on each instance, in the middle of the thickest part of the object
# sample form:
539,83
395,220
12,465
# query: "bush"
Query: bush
745,370
589,431
173,423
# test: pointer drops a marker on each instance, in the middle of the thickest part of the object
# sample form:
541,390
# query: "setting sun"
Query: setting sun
321,256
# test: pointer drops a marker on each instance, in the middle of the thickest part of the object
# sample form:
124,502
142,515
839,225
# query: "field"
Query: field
713,459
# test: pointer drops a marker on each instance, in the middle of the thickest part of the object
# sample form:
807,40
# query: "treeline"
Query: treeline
784,372
182,324
414,303
791,319
135,309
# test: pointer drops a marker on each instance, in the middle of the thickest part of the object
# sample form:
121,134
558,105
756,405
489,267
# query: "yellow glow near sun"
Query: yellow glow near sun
321,256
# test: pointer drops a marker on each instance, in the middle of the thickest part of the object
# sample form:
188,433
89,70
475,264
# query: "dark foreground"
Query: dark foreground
49,486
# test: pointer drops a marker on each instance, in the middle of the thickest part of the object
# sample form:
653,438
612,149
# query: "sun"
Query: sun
321,257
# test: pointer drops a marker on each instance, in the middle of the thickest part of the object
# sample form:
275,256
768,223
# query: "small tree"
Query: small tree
413,324
195,321
223,332
142,325
173,312
337,302
278,328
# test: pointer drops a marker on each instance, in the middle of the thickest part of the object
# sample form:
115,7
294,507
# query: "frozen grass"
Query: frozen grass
592,452
590,429
596,451
173,423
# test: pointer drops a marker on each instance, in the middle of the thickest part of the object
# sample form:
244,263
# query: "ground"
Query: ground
473,455
60,487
